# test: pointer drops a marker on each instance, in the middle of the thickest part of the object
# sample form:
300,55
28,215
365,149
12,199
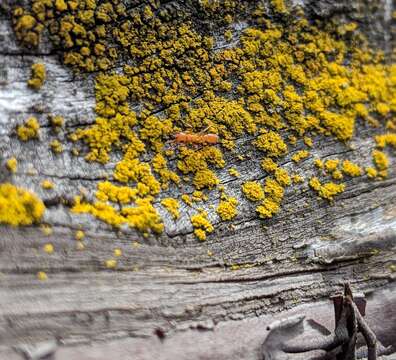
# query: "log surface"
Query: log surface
170,284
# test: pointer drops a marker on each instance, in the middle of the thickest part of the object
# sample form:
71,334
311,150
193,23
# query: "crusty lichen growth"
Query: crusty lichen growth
381,162
227,209
202,225
38,76
351,169
19,206
253,190
328,190
280,83
300,155
12,165
29,130
172,205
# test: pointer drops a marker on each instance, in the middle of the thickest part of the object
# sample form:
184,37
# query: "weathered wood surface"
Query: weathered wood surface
205,309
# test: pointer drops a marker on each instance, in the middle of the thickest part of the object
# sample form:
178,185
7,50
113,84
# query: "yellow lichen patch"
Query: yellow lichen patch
268,165
56,146
46,229
234,172
371,172
331,165
273,197
327,190
42,276
38,76
201,225
117,252
297,179
300,155
381,162
48,248
272,143
384,140
205,179
227,209
19,206
57,121
279,6
172,205
319,163
29,130
47,184
12,165
351,169
282,177
337,175
253,190
110,264
79,235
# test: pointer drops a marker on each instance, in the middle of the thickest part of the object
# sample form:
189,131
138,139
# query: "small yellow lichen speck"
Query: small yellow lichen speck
56,146
48,248
42,276
12,165
117,252
79,235
37,79
47,184
234,172
111,264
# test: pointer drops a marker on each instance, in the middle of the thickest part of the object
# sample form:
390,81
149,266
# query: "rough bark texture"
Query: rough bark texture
170,284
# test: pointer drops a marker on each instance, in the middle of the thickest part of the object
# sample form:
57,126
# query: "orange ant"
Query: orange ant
200,138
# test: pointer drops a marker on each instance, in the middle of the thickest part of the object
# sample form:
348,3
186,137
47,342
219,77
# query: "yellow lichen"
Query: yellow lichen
388,139
12,165
42,276
48,248
371,172
227,209
234,172
117,252
38,76
380,159
201,225
47,184
79,235
110,264
280,82
172,205
327,190
300,155
351,169
19,206
29,130
253,190
56,146
331,165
